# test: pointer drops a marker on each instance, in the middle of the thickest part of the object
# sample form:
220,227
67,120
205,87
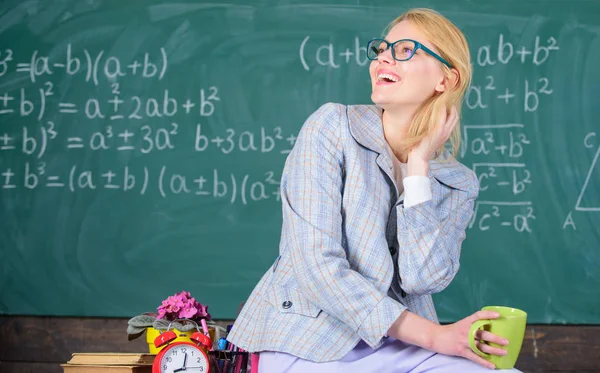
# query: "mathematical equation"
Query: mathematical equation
146,139
513,215
94,65
117,108
483,140
478,96
503,52
232,187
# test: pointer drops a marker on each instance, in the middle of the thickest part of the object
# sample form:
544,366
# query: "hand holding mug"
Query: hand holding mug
453,339
510,326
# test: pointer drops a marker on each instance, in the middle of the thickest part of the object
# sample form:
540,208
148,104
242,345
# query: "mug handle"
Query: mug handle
474,327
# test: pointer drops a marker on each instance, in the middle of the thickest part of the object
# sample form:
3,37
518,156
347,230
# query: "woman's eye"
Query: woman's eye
380,50
407,50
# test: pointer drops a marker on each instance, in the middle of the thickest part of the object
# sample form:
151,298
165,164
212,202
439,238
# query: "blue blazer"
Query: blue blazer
352,258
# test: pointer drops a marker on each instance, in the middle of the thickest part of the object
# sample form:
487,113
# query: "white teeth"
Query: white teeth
393,78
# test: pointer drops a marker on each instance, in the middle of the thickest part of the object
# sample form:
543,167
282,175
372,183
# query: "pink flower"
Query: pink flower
202,311
188,311
182,305
172,308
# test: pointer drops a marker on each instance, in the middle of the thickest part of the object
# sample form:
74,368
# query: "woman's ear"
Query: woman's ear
448,81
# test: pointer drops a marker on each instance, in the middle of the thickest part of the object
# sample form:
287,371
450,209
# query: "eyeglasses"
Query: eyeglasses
402,50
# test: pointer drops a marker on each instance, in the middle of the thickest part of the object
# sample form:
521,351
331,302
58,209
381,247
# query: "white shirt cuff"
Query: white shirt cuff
417,189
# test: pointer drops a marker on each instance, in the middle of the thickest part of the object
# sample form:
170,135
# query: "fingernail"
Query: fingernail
496,314
506,342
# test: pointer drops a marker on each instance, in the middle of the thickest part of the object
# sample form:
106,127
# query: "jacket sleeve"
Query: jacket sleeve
430,239
311,190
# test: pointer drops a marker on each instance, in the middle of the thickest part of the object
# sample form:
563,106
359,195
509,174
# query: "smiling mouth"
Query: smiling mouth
387,78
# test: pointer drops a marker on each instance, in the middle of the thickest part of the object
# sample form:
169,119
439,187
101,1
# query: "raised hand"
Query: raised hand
428,146
420,155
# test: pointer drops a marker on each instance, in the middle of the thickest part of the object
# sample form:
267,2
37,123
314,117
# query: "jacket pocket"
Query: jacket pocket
289,300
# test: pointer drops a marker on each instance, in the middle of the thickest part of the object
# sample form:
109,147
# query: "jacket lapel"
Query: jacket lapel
366,128
365,123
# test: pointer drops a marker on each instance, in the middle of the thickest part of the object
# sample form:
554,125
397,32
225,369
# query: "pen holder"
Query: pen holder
224,361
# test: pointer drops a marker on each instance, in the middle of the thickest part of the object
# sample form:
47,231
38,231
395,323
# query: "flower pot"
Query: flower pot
152,333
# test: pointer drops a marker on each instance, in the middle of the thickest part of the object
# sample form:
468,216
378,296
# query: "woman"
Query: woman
374,214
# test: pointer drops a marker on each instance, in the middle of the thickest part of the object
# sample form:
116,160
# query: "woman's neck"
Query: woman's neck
396,123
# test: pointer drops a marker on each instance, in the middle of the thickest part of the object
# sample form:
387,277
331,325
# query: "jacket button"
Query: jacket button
287,304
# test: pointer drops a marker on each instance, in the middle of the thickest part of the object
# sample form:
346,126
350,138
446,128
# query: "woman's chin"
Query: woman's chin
382,101
377,98
388,102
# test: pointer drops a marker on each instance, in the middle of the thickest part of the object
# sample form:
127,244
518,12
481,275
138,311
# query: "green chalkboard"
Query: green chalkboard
142,142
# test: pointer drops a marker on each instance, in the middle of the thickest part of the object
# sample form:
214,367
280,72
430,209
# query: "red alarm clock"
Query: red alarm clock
183,356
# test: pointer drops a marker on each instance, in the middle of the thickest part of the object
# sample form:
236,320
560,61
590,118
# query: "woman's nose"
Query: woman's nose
386,57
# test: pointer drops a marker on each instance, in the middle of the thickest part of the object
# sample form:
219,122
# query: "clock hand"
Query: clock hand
183,366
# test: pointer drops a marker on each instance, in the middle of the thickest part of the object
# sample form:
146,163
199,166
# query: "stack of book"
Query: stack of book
109,362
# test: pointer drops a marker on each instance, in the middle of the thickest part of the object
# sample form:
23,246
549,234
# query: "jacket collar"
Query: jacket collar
366,126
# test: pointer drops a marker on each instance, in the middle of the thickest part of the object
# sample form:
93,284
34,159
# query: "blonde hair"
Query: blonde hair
452,45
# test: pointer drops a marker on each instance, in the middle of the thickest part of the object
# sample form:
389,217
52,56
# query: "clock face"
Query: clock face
185,358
